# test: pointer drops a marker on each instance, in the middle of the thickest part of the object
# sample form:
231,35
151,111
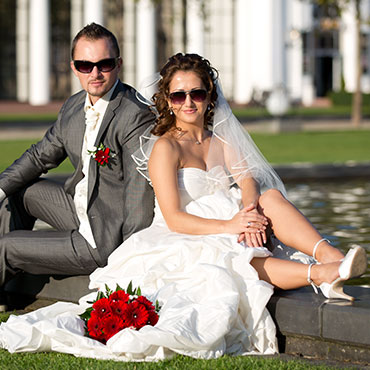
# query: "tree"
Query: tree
340,6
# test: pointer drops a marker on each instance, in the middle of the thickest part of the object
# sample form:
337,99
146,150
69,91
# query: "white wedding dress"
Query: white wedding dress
213,302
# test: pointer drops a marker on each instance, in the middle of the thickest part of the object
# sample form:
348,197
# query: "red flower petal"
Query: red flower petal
148,304
102,307
118,307
95,328
136,315
102,156
119,295
153,318
112,324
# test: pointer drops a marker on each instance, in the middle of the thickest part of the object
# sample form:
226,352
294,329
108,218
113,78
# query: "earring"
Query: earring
171,112
209,108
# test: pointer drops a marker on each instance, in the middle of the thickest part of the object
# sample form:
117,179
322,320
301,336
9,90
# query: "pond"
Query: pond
340,210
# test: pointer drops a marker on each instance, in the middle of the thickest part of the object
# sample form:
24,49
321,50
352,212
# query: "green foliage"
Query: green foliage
341,98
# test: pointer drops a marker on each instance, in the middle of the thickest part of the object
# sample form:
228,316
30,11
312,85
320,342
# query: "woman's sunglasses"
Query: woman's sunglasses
197,95
105,65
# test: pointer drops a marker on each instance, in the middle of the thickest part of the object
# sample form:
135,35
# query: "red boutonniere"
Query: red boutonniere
102,154
116,310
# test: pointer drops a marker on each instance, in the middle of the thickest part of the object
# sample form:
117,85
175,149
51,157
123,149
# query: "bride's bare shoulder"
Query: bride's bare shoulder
166,143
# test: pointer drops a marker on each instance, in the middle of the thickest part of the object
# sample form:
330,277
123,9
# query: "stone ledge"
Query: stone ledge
310,325
25,288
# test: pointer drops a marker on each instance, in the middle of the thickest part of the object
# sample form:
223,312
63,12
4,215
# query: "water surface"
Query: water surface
340,210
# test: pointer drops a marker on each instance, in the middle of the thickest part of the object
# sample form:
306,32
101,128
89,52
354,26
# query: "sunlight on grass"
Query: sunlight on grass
283,148
10,150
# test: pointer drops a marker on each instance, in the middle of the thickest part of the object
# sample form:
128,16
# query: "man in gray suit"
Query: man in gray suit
105,200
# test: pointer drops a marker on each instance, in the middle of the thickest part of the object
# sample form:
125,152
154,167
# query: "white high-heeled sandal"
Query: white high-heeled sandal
316,245
354,264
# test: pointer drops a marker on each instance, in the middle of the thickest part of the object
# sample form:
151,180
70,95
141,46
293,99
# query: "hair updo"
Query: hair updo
183,62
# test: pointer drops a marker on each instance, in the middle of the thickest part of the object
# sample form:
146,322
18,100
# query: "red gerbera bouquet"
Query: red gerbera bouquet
113,311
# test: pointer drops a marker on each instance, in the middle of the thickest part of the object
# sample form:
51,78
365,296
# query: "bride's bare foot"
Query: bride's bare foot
326,253
325,272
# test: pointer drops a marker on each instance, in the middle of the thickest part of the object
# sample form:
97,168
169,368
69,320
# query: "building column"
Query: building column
128,56
298,20
145,41
22,50
178,34
348,47
76,26
194,28
39,52
93,12
279,72
242,76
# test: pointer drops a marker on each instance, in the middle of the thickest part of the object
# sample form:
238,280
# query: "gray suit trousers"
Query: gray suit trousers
62,251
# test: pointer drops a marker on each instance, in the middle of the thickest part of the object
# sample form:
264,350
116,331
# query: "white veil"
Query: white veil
231,148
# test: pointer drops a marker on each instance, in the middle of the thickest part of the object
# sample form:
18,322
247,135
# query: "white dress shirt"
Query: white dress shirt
94,115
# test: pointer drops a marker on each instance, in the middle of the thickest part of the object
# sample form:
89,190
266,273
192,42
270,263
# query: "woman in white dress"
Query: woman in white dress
205,257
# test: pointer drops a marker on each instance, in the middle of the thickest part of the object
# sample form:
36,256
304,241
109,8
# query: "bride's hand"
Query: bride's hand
247,220
255,235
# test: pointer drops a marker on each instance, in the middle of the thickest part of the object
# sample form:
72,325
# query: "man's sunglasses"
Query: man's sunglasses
105,65
197,95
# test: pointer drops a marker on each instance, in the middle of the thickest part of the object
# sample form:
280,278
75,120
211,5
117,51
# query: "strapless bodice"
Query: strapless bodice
195,183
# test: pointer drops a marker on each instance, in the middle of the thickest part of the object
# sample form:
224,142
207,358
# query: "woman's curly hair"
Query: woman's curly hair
183,62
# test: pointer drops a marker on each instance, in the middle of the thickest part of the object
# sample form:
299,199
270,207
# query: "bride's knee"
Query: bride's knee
270,197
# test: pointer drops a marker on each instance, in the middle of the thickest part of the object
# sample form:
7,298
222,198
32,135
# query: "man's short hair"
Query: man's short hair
95,31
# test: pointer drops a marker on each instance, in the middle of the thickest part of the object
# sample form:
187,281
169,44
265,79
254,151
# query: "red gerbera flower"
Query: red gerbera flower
135,315
118,307
153,318
102,156
102,307
95,328
119,295
112,324
148,304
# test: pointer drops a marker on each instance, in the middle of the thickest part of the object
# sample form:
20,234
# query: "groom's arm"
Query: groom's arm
38,159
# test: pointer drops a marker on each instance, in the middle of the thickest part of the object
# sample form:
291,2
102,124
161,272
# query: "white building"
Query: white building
257,45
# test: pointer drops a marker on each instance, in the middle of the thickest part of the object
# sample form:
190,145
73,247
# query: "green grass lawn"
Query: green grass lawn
306,112
242,112
315,147
63,362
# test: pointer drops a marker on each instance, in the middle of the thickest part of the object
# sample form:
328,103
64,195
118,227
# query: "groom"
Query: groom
105,200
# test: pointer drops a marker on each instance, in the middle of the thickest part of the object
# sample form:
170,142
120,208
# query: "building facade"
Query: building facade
258,46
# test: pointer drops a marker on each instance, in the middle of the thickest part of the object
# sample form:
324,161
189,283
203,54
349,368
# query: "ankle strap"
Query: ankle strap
316,245
314,287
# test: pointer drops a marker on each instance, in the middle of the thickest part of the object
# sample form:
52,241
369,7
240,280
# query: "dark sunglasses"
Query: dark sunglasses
197,95
105,65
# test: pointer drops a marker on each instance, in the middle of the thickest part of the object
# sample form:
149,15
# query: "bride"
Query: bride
221,213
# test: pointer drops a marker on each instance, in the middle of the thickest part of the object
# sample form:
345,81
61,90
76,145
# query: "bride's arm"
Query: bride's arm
255,236
163,166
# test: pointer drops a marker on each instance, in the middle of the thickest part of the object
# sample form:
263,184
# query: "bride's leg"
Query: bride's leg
291,275
292,228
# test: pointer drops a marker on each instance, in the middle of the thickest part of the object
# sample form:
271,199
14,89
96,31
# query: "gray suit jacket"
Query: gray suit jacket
120,201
